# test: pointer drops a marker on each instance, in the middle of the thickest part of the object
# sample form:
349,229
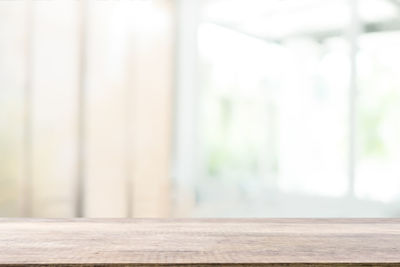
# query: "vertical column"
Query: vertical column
354,31
105,111
54,88
151,70
81,118
14,200
27,194
186,161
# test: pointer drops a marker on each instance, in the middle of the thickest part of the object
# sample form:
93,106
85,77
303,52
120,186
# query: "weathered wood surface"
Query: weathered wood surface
278,242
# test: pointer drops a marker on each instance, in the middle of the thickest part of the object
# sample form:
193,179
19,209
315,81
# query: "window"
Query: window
297,108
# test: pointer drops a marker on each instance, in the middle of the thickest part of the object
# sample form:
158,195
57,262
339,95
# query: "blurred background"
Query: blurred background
200,108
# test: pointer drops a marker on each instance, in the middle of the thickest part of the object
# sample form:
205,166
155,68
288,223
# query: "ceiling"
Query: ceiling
281,19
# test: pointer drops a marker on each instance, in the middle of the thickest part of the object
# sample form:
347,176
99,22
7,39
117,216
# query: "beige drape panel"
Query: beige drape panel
123,71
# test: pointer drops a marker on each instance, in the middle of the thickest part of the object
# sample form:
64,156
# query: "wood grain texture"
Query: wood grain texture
201,242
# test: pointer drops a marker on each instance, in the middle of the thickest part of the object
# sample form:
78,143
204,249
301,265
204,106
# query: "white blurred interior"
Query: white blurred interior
200,108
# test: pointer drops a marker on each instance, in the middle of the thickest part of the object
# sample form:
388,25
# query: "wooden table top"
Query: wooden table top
298,242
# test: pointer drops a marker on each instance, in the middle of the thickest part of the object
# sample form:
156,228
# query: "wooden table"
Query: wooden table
277,242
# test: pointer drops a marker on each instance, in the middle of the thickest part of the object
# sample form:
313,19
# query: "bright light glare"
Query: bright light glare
142,16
